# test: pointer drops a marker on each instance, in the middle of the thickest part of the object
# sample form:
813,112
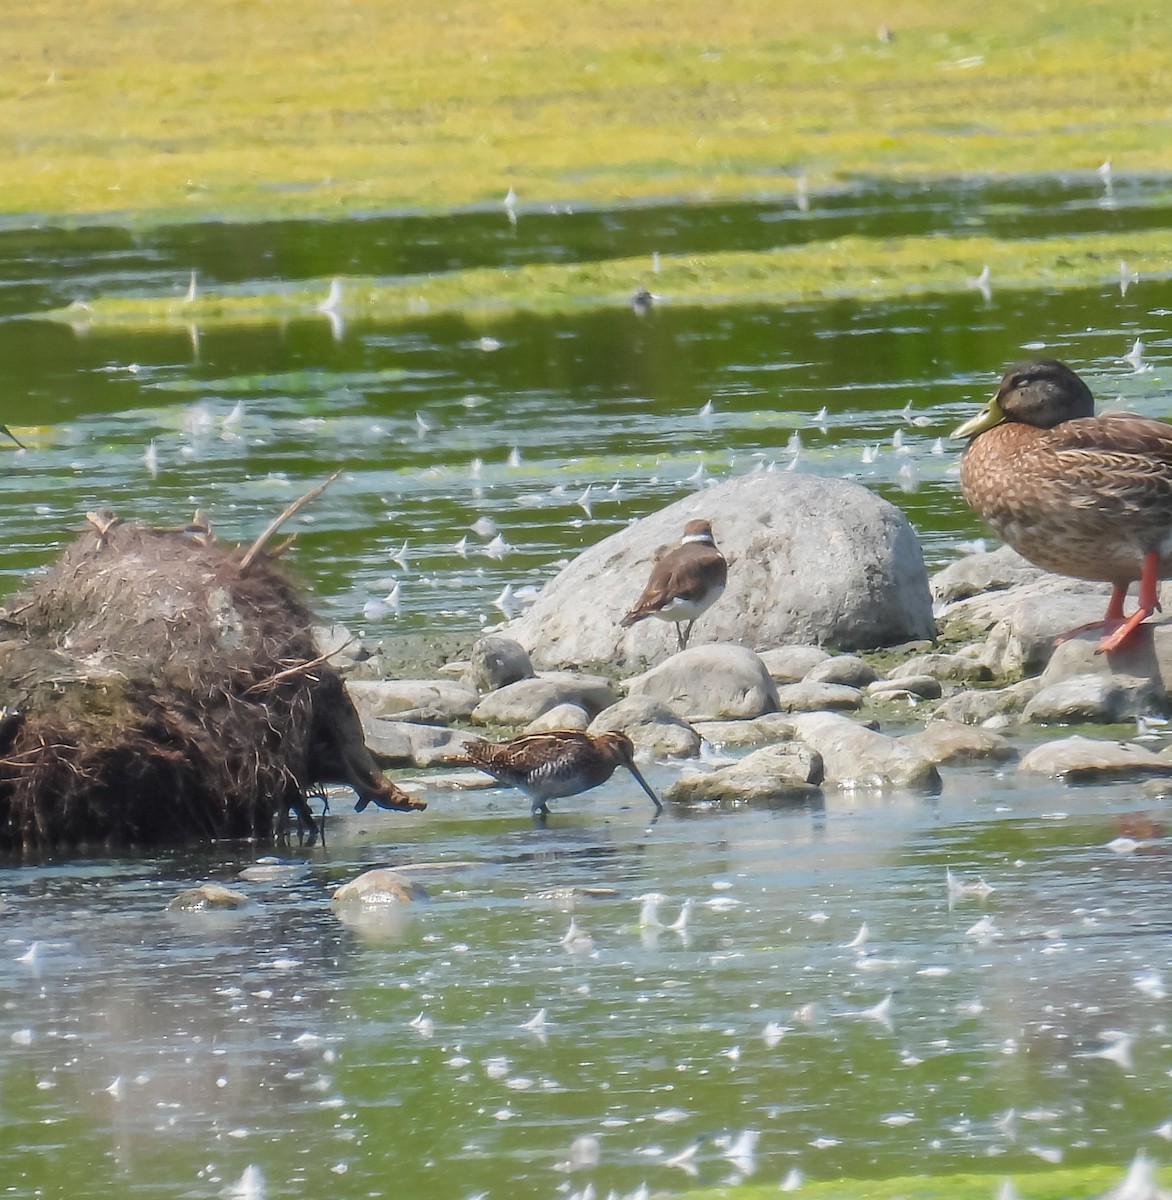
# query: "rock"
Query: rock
919,687
951,742
772,727
710,682
1077,759
561,716
527,699
410,744
1148,655
976,707
791,664
773,774
812,560
855,756
651,725
434,701
380,886
817,697
846,669
207,896
1024,621
1101,699
949,668
498,661
977,573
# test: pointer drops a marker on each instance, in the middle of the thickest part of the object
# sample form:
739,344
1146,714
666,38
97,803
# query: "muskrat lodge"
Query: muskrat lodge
158,688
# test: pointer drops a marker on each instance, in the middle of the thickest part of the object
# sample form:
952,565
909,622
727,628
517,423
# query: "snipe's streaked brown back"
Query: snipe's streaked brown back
560,762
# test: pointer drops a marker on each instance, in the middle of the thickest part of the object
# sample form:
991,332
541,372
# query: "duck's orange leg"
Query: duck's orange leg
1111,618
1148,603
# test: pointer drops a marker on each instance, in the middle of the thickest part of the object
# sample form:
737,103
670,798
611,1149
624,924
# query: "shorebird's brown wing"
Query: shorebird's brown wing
682,574
514,762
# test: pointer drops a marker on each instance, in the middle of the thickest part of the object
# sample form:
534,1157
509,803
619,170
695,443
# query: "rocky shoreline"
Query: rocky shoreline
997,682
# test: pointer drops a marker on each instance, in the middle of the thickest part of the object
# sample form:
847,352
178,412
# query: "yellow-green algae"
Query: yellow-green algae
164,109
1077,1183
848,267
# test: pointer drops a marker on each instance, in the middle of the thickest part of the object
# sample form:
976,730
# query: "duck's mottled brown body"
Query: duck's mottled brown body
561,762
1078,494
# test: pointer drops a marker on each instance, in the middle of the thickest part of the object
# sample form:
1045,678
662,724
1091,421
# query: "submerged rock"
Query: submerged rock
710,683
1078,758
855,756
951,742
381,885
811,560
208,896
783,773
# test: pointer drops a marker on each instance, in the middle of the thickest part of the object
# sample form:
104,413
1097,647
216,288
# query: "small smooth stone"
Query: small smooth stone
810,696
561,716
791,664
380,886
1078,758
951,742
923,687
846,669
207,896
956,668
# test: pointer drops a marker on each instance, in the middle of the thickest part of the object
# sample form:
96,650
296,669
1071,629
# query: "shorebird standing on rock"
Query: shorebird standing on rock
560,762
684,583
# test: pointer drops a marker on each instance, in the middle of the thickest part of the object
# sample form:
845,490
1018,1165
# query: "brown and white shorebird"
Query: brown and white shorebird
684,583
560,762
1074,493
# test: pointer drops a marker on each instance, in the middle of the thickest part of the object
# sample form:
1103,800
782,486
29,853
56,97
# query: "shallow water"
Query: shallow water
178,1052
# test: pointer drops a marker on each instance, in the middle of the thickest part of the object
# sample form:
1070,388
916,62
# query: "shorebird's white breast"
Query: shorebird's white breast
680,609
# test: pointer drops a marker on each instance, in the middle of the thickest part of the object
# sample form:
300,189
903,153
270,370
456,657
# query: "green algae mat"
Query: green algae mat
164,110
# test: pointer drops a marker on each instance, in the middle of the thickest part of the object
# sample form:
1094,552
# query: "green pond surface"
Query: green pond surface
831,1007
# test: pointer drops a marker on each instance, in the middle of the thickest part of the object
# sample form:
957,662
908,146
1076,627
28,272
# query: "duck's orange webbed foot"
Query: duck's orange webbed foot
1149,603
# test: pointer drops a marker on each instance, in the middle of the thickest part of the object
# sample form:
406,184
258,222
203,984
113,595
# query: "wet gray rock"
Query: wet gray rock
380,886
917,687
791,664
710,682
977,706
1079,759
409,743
948,668
951,742
773,774
818,697
1148,656
846,669
1095,699
496,662
561,716
651,725
770,728
343,647
976,573
813,560
420,700
855,756
527,699
207,897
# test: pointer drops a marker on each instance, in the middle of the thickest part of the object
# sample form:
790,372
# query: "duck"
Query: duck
1078,494
684,584
555,763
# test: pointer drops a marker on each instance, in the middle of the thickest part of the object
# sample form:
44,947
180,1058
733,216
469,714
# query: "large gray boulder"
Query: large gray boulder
710,683
811,560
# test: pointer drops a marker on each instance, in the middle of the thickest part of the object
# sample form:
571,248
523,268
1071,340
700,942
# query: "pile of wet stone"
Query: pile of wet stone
799,719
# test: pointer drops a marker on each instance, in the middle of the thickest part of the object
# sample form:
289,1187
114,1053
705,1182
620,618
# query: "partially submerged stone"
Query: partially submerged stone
1096,699
380,886
774,774
1077,759
952,742
208,896
857,757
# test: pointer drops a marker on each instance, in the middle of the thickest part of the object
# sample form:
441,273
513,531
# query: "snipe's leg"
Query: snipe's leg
1149,603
